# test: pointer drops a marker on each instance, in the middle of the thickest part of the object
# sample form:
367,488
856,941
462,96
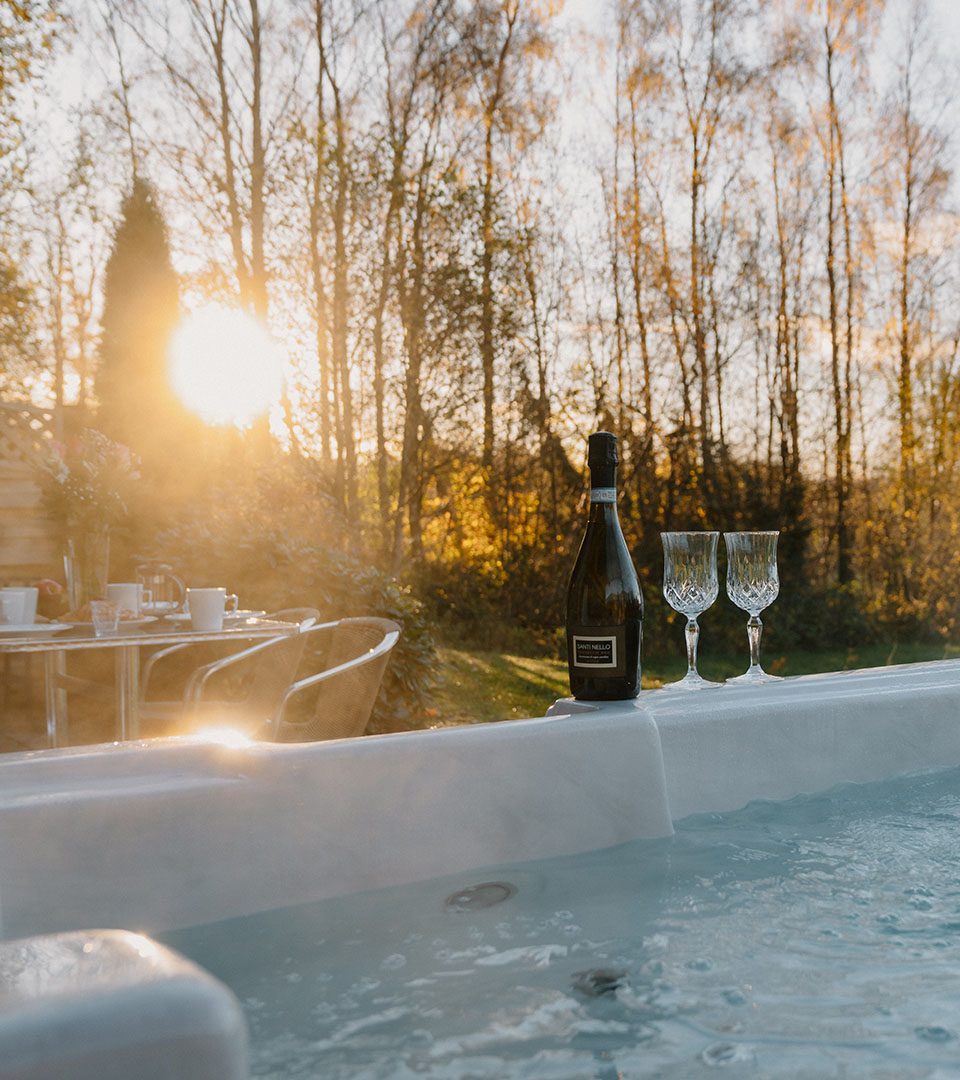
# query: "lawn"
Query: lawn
479,687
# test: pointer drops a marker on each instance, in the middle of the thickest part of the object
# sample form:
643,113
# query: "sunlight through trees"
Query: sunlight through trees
726,231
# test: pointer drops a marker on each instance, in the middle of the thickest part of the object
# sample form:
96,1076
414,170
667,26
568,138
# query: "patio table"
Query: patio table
127,645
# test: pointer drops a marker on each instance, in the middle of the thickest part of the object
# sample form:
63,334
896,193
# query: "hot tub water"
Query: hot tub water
815,938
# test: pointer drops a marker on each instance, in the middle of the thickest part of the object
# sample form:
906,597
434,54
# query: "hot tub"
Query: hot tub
514,900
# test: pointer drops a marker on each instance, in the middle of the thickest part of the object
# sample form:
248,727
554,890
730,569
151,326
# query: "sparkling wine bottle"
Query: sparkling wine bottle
604,602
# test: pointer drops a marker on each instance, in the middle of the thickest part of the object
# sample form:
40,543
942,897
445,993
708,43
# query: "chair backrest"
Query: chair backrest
273,670
345,700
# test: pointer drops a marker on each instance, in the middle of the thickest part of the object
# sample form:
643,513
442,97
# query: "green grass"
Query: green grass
480,686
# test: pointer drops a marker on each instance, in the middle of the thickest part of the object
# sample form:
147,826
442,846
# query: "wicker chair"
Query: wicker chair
354,654
265,671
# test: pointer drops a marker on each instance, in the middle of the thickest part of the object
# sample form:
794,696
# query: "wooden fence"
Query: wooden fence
28,545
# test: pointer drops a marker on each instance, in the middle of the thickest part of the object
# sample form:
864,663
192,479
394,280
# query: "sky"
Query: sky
77,78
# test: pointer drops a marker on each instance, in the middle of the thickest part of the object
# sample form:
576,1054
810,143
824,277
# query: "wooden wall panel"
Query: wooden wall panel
28,545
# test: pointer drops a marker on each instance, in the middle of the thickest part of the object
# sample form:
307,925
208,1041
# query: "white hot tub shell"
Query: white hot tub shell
164,834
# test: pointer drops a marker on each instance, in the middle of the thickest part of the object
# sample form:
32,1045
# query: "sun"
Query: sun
224,366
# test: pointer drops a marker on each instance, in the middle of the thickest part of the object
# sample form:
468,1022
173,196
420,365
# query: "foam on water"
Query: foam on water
816,938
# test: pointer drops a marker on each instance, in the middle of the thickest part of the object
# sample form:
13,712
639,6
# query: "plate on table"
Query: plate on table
164,609
123,624
242,616
230,618
32,629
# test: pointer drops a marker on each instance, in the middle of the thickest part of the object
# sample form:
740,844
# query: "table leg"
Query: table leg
128,692
55,699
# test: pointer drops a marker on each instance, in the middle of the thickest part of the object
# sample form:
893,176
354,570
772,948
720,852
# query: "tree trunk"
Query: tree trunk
486,296
217,32
55,271
386,268
839,413
487,348
319,297
346,446
258,269
905,373
411,309
699,334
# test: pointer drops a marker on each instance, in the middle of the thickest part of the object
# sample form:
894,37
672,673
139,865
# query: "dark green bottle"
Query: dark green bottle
604,602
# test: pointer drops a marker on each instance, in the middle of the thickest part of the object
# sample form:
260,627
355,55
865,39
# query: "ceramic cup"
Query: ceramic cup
18,606
128,596
206,607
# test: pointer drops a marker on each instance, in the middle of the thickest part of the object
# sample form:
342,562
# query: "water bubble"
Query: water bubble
934,1033
700,963
725,1053
476,897
656,942
394,962
599,981
734,996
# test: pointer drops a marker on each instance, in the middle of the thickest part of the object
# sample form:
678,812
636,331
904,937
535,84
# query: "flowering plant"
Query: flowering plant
87,482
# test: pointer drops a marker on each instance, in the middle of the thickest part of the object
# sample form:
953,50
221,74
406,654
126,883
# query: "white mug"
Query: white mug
18,606
128,596
206,607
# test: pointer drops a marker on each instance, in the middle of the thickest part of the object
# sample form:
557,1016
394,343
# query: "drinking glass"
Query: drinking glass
105,615
690,587
752,584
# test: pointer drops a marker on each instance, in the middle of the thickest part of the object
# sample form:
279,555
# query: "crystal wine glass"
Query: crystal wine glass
752,584
690,587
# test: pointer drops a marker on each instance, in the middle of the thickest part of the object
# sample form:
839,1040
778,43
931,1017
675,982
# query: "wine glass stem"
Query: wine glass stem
754,630
693,636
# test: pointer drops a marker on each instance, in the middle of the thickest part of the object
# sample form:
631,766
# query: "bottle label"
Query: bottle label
603,495
599,652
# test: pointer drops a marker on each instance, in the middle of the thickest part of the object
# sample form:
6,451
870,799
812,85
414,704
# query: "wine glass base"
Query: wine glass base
751,677
691,681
